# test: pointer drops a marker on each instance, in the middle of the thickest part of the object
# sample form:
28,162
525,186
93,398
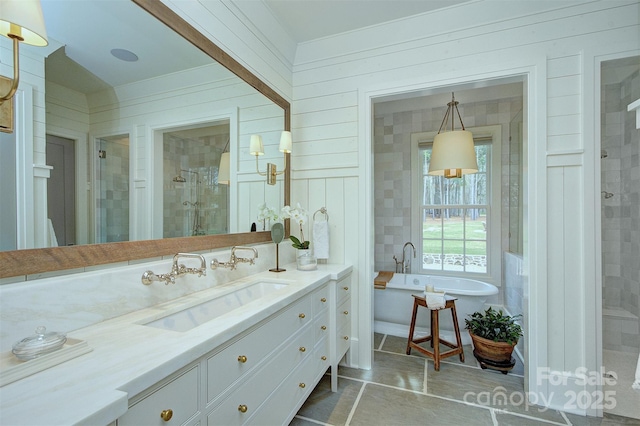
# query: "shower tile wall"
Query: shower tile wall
392,161
620,213
201,155
112,204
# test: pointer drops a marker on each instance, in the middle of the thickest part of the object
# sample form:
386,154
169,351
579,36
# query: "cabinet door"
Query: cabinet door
174,403
246,398
227,366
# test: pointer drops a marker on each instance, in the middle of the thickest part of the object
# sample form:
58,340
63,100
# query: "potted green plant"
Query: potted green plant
494,335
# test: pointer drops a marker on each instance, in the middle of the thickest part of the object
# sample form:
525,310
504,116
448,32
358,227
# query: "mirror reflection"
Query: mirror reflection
128,112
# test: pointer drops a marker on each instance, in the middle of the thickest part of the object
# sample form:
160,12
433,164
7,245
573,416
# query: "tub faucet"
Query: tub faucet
404,266
177,270
234,260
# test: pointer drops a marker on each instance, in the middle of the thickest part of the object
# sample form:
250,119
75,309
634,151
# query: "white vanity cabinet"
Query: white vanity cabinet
340,325
263,375
173,401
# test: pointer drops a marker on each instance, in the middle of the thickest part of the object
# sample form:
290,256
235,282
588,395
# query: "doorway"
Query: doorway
620,223
61,188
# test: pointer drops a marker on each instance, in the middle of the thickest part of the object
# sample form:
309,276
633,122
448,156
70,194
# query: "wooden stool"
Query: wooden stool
434,337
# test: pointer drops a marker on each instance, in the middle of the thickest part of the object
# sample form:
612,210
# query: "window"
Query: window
454,216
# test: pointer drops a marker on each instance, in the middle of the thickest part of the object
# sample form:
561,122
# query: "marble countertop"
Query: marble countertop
128,356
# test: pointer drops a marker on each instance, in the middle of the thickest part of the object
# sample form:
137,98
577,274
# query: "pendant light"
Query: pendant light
453,153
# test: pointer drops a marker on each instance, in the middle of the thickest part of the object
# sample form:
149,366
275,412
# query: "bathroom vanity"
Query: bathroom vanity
253,364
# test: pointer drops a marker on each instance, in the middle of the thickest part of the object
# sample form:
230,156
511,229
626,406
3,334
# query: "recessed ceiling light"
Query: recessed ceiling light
124,55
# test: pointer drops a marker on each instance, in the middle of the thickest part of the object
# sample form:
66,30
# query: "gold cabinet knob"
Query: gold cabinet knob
302,385
242,408
324,358
302,349
302,316
324,299
346,337
166,414
345,288
346,312
324,327
242,358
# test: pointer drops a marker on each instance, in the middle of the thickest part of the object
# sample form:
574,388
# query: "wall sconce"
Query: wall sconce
224,175
21,21
453,153
257,148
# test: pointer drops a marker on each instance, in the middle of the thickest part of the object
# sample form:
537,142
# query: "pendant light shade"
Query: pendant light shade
223,170
453,153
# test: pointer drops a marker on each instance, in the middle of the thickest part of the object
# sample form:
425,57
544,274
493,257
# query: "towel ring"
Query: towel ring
323,211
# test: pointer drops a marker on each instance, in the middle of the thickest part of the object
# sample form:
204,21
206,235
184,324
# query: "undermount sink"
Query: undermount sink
199,314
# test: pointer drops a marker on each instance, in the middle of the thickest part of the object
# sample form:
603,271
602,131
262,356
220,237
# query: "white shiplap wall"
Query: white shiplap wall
554,44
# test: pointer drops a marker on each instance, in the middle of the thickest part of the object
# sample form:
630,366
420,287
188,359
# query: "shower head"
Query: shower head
179,178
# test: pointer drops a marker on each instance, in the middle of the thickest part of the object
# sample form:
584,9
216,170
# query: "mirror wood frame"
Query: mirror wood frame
37,261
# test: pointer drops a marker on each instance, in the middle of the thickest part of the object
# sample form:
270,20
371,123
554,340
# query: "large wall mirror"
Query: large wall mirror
135,130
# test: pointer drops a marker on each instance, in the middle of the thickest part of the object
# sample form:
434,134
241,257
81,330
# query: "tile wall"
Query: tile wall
620,180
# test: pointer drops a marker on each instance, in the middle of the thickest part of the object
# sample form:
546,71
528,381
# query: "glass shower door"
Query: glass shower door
112,189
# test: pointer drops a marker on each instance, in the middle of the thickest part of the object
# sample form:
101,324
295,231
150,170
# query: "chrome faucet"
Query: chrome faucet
404,266
234,260
177,270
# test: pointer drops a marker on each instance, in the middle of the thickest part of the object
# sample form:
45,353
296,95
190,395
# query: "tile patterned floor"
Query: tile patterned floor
405,390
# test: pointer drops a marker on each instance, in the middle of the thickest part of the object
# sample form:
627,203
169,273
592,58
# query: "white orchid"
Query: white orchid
267,213
299,216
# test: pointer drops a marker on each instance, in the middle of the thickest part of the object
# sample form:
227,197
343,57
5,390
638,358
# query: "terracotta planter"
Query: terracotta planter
494,352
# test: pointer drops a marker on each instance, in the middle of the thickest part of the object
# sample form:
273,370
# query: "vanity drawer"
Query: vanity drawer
231,363
179,395
320,299
343,289
244,400
343,313
283,404
321,358
343,340
321,325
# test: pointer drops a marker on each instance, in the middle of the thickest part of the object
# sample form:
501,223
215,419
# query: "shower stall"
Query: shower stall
620,213
194,203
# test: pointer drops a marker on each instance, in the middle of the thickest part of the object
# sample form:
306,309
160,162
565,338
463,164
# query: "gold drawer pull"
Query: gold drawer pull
302,385
166,414
324,327
302,349
345,288
242,358
346,312
346,337
324,358
324,299
301,316
242,408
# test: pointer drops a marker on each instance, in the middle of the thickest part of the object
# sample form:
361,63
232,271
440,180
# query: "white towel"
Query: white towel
636,384
321,239
435,300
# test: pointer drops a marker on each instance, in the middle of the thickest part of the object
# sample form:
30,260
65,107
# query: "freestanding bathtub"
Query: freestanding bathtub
393,305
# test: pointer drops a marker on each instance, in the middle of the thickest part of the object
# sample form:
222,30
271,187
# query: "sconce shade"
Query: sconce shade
255,146
452,152
223,170
23,19
286,142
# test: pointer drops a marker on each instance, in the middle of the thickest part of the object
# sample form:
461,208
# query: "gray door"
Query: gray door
61,196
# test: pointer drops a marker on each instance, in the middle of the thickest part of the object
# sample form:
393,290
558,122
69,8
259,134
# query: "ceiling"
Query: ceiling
306,20
85,64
